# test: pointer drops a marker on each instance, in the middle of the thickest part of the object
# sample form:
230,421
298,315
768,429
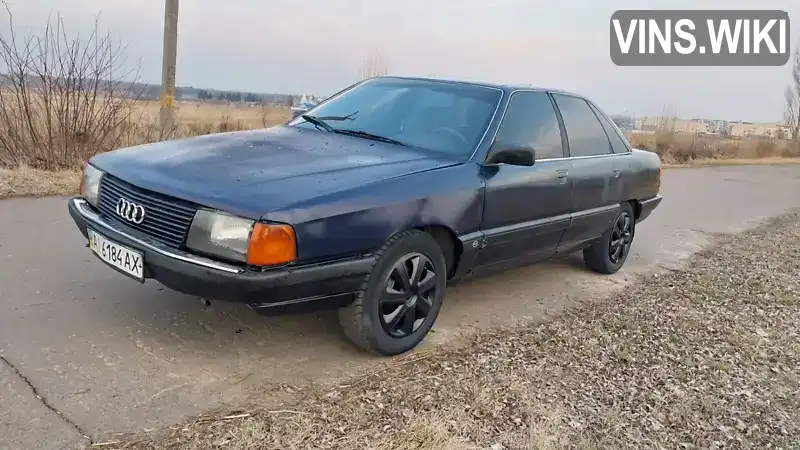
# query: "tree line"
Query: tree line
229,96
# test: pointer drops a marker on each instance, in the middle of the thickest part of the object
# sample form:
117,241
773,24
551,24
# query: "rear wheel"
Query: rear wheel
401,298
609,253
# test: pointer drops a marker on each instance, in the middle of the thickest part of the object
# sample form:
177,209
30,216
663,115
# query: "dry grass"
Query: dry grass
24,181
192,119
678,149
734,162
196,118
706,357
70,150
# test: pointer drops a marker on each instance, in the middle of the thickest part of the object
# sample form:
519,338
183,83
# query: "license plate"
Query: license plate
126,260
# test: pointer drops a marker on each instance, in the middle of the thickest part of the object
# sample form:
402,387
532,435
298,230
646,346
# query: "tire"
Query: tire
608,254
368,323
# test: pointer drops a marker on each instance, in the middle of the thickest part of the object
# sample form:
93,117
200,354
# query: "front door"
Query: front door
526,208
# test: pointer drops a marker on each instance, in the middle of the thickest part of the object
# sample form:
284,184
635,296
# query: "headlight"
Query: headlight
90,184
242,240
220,235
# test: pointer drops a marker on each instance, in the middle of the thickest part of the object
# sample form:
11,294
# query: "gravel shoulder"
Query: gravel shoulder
707,356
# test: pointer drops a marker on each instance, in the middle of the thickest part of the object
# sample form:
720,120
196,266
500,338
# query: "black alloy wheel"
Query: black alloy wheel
400,299
621,238
610,251
408,296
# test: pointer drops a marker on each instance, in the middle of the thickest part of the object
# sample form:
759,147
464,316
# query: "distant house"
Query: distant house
718,127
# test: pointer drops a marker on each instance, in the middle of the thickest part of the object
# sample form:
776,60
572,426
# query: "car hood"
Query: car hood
251,173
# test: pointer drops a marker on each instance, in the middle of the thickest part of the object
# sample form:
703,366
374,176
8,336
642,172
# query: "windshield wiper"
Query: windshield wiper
351,116
374,137
318,123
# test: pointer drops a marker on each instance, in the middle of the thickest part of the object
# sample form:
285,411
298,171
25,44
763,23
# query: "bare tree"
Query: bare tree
792,96
62,99
374,66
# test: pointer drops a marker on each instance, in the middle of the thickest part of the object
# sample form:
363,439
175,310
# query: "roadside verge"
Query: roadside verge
27,182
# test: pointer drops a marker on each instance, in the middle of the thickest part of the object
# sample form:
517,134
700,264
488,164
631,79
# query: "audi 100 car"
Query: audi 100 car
373,201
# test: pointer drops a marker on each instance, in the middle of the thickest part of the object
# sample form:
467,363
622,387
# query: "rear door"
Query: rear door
526,209
623,165
595,172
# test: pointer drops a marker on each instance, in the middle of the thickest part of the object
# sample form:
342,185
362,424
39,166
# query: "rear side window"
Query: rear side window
531,120
617,144
585,133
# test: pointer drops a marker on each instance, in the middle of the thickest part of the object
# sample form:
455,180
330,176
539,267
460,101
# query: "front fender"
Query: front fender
360,220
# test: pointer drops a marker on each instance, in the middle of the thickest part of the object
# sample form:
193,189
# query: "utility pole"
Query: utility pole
168,65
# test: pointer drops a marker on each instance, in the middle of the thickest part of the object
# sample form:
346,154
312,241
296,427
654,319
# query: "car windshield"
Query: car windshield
439,116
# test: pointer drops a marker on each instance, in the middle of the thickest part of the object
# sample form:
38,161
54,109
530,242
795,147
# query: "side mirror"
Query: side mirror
515,155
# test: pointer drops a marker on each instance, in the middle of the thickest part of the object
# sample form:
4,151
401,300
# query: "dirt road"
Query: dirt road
107,354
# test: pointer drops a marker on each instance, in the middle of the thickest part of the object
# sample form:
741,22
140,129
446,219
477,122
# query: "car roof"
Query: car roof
505,87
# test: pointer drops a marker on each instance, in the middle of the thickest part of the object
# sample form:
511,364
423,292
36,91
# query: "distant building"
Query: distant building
623,123
691,126
769,130
718,127
715,127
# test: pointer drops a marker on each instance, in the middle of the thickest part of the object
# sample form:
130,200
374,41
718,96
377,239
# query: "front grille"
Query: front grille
167,219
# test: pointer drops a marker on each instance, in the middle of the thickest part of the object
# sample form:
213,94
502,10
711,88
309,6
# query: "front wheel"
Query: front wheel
609,253
401,298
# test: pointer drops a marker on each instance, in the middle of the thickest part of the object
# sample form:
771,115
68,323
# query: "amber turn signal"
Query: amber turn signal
271,245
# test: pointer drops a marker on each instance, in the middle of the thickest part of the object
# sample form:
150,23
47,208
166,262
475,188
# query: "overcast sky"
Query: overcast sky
256,45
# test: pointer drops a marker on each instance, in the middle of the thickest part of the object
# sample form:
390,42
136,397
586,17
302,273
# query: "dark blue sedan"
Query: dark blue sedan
373,201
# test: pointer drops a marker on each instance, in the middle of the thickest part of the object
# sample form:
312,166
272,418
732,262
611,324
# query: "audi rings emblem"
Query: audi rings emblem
130,211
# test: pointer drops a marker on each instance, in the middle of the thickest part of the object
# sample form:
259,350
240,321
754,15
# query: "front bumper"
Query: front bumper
278,291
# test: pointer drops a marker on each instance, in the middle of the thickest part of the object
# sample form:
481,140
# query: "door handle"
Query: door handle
561,173
616,173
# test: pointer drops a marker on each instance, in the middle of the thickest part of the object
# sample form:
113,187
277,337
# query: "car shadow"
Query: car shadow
179,323
182,320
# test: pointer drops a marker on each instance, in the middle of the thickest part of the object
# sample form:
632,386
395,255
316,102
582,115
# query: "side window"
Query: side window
531,120
617,143
585,133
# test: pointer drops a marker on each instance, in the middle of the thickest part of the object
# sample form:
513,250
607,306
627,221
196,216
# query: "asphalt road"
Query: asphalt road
106,354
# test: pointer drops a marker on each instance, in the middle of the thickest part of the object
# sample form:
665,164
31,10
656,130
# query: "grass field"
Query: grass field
52,132
195,118
679,149
192,119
